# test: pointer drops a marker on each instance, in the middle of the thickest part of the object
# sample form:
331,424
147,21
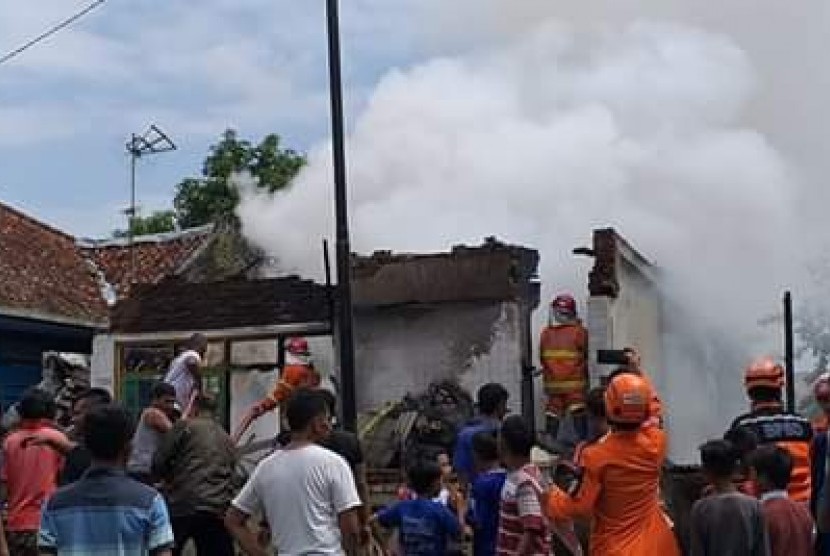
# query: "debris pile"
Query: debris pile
421,425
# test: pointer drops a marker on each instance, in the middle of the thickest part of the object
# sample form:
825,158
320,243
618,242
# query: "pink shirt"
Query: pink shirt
30,474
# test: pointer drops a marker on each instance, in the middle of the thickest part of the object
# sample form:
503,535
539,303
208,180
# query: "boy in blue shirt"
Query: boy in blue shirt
485,494
424,526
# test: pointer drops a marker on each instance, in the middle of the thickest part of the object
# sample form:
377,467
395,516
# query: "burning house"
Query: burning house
463,316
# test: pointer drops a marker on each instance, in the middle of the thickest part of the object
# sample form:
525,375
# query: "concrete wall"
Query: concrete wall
402,349
102,365
634,318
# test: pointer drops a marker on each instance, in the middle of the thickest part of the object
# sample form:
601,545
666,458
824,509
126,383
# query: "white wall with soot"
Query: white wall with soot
403,349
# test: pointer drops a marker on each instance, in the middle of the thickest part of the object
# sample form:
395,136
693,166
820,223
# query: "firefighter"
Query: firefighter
563,349
770,423
634,366
298,372
617,479
821,391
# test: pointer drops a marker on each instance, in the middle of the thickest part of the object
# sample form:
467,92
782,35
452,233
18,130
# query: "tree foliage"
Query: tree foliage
157,222
214,196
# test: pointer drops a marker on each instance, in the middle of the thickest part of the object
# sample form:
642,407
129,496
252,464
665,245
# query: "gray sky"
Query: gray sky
68,105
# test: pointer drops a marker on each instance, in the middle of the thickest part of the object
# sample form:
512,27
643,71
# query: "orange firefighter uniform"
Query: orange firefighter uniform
770,423
619,481
292,377
821,391
563,350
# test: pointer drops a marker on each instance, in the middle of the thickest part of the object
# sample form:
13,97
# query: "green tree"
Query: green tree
213,196
158,222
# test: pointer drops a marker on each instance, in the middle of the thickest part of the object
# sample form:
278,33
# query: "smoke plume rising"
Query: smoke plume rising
559,128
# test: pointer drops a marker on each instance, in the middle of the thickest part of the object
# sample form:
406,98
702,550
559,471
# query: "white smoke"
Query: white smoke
552,133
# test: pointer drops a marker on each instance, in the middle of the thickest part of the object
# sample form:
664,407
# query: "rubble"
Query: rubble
421,425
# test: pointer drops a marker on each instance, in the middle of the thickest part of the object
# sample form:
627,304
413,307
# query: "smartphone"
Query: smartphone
612,357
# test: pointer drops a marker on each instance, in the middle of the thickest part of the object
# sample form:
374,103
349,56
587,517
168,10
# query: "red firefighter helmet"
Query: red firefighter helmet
564,304
627,399
764,372
297,346
821,389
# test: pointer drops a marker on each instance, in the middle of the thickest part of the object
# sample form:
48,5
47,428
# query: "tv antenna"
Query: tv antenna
152,141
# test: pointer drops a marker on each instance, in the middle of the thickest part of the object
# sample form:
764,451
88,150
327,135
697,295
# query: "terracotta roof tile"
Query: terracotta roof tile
47,273
156,257
43,273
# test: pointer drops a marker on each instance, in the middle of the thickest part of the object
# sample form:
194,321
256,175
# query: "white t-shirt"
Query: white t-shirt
301,493
180,378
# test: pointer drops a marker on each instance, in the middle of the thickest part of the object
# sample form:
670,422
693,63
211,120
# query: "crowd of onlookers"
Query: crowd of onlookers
90,490
110,484
113,485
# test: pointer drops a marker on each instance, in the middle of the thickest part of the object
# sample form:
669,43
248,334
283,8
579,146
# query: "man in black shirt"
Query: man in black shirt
78,458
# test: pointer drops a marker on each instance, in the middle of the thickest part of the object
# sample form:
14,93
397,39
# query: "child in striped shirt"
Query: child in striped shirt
523,529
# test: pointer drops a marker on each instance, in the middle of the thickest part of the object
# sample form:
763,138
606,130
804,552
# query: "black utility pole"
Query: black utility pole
345,332
789,358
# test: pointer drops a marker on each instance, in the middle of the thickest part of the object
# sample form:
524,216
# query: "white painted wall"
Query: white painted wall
403,349
634,319
102,366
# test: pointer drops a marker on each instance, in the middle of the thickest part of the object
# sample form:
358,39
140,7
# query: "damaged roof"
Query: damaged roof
177,305
156,257
47,274
493,271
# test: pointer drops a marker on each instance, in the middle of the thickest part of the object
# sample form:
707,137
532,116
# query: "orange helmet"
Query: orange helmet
297,346
627,399
821,389
764,372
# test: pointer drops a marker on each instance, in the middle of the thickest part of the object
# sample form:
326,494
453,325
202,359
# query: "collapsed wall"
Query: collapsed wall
462,315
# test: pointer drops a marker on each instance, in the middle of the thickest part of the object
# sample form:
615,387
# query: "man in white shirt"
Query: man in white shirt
184,374
306,493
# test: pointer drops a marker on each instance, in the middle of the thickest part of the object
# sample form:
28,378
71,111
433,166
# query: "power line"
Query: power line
51,31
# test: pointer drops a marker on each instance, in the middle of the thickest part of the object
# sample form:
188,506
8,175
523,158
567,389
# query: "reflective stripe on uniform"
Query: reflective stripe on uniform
561,354
564,385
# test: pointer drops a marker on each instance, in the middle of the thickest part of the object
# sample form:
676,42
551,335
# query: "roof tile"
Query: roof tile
49,274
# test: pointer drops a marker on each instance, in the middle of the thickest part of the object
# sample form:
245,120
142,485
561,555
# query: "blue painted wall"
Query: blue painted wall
22,343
